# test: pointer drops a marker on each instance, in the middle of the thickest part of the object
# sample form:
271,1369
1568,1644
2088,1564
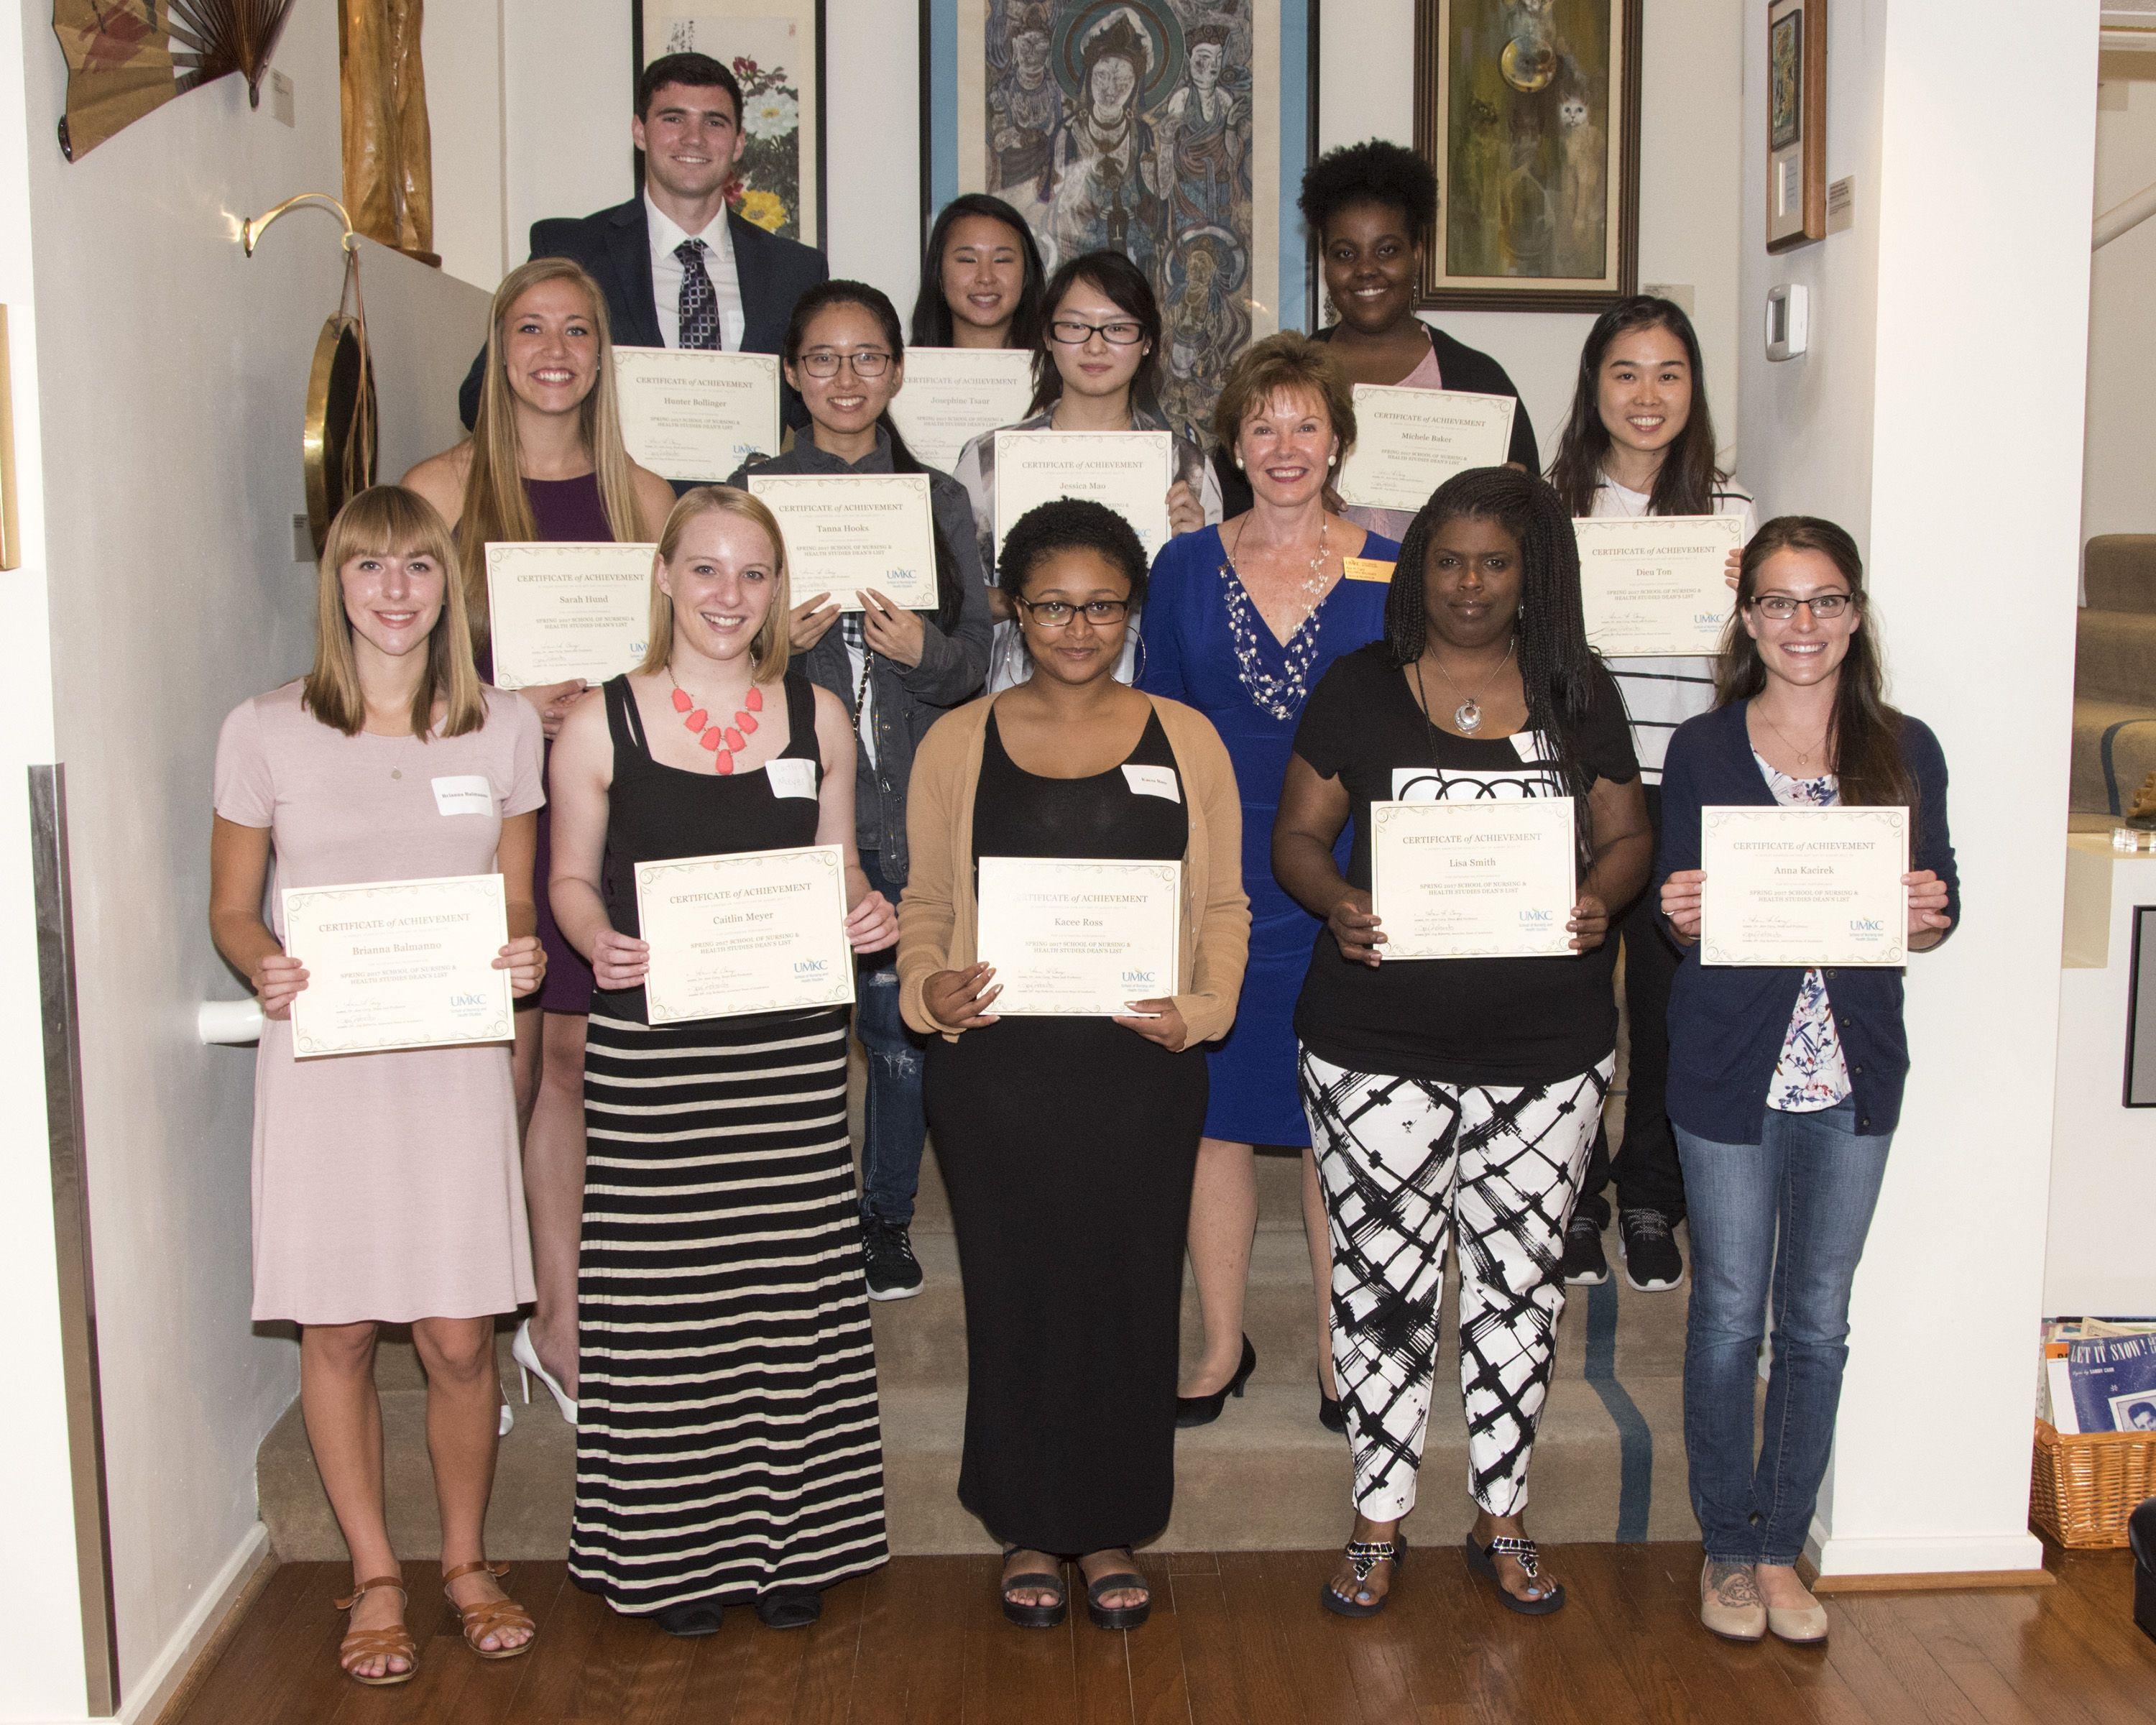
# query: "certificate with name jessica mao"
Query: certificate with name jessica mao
1129,471
398,964
1491,879
562,610
691,414
1078,938
759,931
1804,886
952,395
847,532
1409,442
1656,585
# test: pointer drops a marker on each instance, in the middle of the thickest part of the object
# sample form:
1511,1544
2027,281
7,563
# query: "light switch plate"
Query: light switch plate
281,102
303,540
1788,320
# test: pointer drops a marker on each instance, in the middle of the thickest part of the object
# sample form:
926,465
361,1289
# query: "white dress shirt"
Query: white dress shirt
718,265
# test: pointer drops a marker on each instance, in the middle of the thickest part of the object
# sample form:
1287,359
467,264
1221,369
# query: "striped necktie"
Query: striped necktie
700,304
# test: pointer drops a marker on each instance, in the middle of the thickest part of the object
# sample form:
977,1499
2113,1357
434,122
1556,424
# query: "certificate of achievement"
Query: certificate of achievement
1656,585
566,610
398,964
1129,471
1484,879
953,394
1073,939
1409,442
759,930
687,413
848,530
1809,886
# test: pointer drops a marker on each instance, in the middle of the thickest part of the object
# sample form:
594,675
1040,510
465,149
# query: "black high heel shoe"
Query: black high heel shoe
1205,1410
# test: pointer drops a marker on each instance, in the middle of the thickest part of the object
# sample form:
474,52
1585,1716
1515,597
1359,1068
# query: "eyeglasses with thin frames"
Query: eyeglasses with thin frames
1069,332
823,362
1825,607
1057,614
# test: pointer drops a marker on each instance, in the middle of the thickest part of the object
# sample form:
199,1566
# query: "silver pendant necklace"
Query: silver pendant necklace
1468,714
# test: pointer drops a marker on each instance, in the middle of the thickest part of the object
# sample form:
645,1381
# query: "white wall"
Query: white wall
2118,494
461,44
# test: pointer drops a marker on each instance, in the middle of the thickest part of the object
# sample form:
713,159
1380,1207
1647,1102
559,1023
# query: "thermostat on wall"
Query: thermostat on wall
1788,320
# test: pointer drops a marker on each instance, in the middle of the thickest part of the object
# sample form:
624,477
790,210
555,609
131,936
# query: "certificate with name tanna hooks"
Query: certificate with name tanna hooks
848,532
1804,886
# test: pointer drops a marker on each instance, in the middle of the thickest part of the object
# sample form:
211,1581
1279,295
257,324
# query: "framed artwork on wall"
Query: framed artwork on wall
1529,112
775,48
1796,123
2140,1088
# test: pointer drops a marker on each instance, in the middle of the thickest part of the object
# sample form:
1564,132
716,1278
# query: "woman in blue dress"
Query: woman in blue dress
1241,621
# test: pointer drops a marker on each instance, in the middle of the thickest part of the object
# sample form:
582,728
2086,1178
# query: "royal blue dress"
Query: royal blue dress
1194,606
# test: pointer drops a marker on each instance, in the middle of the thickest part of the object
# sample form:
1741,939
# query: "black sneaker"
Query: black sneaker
1652,1262
893,1272
1583,1265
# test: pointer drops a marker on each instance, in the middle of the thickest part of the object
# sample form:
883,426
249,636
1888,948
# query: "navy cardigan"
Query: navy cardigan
1727,1023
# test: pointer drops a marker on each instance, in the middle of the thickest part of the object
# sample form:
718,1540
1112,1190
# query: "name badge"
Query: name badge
1366,569
1153,781
464,793
791,776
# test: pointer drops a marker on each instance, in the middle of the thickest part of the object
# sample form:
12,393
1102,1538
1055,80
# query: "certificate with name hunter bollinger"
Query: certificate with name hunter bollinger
1490,879
1129,471
1804,886
953,394
398,964
692,413
1654,586
759,931
845,531
1078,939
563,610
1409,442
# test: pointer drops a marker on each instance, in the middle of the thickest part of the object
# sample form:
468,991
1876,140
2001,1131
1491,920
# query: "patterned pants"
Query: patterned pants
1401,1160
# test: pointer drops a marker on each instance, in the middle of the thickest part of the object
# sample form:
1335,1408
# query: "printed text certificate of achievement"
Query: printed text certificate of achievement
848,530
1804,886
759,930
953,394
563,610
693,413
1409,442
398,964
1129,471
1078,939
1655,586
1483,880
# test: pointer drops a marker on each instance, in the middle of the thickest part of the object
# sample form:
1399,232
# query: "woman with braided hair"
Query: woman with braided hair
1457,1093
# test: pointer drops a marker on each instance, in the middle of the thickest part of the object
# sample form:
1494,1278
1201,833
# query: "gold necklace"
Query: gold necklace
1803,755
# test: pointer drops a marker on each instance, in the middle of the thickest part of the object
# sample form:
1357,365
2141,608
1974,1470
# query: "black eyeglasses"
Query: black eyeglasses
1826,607
824,362
1124,332
1056,613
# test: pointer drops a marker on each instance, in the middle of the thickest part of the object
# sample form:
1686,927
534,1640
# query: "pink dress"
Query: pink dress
1392,524
387,1186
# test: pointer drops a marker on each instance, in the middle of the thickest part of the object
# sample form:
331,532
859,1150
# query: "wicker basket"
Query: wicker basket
2085,1486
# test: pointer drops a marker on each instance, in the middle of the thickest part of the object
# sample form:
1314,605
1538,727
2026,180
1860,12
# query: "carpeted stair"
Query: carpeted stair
2115,673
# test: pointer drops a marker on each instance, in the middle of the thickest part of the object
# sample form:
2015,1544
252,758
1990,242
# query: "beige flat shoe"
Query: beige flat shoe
1800,1626
1729,1602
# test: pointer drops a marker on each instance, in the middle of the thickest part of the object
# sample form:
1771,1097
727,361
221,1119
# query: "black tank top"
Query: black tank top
1104,815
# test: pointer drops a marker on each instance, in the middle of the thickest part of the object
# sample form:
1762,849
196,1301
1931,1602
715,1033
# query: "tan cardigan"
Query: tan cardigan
936,915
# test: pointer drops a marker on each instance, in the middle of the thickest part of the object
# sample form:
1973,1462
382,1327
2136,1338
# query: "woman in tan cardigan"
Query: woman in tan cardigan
1068,1142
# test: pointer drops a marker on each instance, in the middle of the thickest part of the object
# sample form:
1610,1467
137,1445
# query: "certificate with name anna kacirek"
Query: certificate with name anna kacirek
1078,938
759,931
397,964
1804,886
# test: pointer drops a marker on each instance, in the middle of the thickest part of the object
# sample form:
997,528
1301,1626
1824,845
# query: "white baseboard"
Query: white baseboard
1988,1552
147,1696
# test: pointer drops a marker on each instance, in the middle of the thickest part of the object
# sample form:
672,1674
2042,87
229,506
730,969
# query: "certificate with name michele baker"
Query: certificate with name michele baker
1409,442
689,413
1809,886
1484,879
398,964
1078,939
563,610
1656,585
759,930
1129,471
952,395
845,531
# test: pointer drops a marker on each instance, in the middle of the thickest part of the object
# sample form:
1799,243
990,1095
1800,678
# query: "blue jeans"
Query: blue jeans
894,1128
1815,1181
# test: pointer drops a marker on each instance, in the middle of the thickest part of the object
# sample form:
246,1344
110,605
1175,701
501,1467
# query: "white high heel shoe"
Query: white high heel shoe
528,1367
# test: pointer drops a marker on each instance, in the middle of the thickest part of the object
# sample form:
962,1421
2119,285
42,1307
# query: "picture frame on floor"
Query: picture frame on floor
1796,123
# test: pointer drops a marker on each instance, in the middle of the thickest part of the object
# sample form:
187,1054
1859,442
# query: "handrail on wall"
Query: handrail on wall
2124,217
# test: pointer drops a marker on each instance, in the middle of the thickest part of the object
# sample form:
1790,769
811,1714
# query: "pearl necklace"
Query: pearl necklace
1281,694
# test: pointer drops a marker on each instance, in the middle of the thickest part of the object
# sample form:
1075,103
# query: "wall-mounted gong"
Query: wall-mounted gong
337,443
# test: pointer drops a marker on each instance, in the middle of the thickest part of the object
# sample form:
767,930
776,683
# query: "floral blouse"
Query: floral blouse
1812,1073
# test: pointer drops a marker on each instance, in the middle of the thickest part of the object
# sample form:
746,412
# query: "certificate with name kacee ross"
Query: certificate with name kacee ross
1129,471
397,964
759,931
1804,886
1073,938
847,532
1655,586
952,395
562,610
1489,879
696,413
1409,442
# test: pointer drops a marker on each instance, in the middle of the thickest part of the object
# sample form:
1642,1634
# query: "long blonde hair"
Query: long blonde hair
389,521
495,506
770,651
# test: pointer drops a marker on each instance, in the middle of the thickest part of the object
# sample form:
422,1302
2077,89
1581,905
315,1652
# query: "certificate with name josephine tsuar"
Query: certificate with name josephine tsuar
1409,442
759,931
1129,471
1657,585
1490,879
398,964
562,610
696,413
1804,886
848,531
952,395
1072,938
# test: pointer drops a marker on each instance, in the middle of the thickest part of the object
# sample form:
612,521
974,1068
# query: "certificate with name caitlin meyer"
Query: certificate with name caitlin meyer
1490,879
1804,886
759,931
398,964
1078,939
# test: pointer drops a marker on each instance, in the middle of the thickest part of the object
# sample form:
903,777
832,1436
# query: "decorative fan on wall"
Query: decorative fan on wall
128,58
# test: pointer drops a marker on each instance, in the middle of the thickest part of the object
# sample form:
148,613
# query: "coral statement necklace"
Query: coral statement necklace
725,741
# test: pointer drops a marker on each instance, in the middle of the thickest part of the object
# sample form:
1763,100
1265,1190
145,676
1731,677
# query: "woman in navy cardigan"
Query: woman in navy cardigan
1785,1084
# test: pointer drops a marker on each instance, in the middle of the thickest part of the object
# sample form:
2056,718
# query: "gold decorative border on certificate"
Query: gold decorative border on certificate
1894,954
486,887
837,992
1387,813
502,555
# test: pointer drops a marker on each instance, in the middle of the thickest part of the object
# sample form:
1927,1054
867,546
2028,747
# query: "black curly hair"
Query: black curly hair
1373,172
1071,524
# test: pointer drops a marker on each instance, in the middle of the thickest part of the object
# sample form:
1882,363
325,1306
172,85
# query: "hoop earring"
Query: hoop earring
1137,659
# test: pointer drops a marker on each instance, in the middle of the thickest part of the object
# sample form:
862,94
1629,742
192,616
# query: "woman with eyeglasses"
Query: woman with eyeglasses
981,278
1067,1143
1785,1084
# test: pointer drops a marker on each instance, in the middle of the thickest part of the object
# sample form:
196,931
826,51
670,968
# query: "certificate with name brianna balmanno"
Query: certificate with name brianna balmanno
1078,939
952,395
398,964
846,531
1492,878
759,931
1409,442
1808,886
694,413
1129,471
1656,585
562,610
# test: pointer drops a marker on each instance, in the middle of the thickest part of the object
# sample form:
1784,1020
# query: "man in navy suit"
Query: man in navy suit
678,268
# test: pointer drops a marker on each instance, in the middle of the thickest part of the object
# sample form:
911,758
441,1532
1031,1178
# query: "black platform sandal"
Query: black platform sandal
789,1608
1048,1616
1118,1617
1483,1561
1364,1555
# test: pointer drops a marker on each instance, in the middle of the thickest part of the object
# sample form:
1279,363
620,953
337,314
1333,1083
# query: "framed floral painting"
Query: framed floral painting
775,48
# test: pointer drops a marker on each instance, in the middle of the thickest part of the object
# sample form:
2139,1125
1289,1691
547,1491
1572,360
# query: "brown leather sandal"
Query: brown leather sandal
492,1618
384,1644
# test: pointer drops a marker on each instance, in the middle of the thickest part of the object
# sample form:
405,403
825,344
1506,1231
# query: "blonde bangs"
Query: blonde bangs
771,650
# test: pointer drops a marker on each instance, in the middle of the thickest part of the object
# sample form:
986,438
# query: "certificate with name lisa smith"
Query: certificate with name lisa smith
1804,886
562,610
1129,471
1409,442
398,964
693,413
952,395
845,531
1655,586
1491,879
759,930
1078,939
